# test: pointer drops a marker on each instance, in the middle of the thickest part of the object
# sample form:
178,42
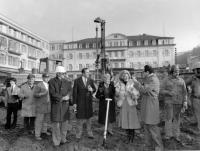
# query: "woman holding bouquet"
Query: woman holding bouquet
126,97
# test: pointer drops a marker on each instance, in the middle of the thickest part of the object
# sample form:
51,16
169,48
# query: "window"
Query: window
116,54
166,53
138,43
122,53
155,64
146,42
14,46
94,54
2,59
88,66
70,56
146,53
87,45
60,56
80,66
110,44
110,54
154,42
116,44
80,46
3,43
24,49
31,52
130,43
70,67
31,64
13,61
155,53
87,55
116,65
139,65
94,45
122,65
80,56
138,53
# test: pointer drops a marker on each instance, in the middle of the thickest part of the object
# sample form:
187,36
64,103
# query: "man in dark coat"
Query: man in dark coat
60,91
82,99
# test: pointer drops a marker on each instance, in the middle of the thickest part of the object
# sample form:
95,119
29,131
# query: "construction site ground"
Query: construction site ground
18,140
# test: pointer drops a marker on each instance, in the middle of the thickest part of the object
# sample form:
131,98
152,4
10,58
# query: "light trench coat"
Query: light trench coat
28,103
126,97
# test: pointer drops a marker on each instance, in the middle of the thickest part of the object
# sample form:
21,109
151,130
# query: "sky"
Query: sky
74,19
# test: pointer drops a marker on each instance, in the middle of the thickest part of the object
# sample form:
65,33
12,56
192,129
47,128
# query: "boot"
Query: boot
132,135
128,132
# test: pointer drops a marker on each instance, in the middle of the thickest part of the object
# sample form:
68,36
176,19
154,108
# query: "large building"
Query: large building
19,48
124,52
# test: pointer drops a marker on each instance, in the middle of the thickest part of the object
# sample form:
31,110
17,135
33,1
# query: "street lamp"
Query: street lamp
102,22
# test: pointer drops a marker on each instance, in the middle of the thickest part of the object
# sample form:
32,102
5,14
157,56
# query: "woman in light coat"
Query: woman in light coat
28,104
126,97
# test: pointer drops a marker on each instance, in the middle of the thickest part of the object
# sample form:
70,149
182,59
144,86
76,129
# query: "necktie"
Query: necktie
11,89
85,81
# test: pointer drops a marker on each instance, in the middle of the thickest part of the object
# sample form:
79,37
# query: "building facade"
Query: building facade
123,51
19,48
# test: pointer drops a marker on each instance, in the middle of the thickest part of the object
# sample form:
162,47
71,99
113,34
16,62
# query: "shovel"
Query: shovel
106,122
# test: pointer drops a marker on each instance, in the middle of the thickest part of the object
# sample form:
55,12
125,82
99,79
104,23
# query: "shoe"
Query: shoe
7,127
177,139
167,137
90,135
159,148
47,133
13,126
38,138
56,147
65,141
110,133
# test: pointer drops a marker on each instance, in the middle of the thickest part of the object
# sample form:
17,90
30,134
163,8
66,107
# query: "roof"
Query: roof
146,37
134,37
87,40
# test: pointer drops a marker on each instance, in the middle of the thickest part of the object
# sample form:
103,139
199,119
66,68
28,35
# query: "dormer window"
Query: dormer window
138,43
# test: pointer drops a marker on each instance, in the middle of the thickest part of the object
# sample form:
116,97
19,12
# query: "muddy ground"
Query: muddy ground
18,140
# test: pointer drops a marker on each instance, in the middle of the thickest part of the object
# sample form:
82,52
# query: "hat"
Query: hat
45,75
30,76
196,65
60,69
13,79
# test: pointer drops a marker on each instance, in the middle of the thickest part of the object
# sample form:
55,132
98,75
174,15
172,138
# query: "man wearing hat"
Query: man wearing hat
59,91
28,104
42,103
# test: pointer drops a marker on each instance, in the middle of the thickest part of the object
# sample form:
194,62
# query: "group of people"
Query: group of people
52,98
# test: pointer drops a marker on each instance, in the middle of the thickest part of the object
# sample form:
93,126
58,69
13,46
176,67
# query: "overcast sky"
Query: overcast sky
73,19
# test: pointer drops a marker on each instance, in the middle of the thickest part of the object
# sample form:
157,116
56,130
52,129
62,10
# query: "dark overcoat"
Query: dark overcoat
83,98
102,94
59,108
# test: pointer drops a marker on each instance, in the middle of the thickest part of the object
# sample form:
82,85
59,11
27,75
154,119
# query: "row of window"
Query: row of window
135,65
81,66
86,55
148,53
119,43
138,53
23,36
56,47
15,46
15,61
